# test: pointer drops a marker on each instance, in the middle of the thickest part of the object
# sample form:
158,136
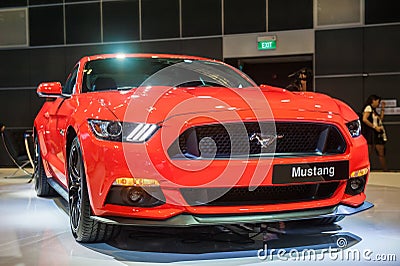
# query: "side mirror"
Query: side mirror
50,90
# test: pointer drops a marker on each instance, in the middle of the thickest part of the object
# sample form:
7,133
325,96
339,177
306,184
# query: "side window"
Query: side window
70,83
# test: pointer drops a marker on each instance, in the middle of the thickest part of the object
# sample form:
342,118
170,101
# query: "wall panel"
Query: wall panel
381,49
382,11
242,17
290,15
201,18
41,32
339,51
82,23
160,19
121,21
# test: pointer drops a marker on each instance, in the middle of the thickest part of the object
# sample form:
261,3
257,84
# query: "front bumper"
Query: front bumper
184,220
105,161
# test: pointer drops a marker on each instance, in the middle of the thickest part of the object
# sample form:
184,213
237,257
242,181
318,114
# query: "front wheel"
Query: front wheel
84,228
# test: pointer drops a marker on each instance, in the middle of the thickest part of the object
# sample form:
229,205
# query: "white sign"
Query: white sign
390,102
390,110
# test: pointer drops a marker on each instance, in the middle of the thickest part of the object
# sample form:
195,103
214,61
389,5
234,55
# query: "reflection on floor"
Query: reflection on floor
35,231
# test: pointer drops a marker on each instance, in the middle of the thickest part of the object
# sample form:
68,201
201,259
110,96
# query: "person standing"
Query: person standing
301,79
373,129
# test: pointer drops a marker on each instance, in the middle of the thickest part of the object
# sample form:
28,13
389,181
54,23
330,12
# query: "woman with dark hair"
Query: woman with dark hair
373,129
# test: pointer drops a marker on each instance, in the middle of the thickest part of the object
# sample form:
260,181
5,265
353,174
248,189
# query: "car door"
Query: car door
58,121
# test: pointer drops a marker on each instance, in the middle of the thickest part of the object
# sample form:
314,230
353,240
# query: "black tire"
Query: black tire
84,229
42,187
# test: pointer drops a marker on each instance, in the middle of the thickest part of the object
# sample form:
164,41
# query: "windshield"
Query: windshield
127,73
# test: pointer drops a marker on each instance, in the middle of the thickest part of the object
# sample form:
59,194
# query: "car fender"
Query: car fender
86,137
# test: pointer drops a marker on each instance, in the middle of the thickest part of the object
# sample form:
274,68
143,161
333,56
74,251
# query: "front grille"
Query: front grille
240,196
245,139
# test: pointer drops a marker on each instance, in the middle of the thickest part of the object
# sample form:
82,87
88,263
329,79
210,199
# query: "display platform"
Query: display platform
35,231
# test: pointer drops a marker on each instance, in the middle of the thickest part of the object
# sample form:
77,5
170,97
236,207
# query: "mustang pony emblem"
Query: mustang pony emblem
266,140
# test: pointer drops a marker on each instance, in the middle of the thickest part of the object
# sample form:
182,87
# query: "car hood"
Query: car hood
159,104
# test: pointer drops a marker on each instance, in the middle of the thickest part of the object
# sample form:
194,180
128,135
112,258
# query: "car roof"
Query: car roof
143,55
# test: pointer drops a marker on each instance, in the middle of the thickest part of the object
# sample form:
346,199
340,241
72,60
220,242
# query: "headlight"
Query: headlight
354,128
117,131
108,130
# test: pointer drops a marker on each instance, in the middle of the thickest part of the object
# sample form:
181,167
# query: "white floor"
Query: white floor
35,231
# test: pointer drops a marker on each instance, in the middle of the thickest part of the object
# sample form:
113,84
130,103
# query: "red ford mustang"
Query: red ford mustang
167,140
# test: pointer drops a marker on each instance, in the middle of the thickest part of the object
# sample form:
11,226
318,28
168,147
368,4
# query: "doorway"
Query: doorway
279,71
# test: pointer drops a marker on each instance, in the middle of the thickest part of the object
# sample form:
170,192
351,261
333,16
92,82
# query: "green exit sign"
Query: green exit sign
266,43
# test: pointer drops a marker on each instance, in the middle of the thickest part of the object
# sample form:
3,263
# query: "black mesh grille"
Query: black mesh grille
261,195
245,139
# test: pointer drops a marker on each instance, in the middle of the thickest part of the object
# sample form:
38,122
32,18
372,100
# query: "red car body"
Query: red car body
313,184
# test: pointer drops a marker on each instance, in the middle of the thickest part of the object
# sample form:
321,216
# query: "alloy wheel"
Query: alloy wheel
75,171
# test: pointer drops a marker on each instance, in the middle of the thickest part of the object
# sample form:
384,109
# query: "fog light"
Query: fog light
135,195
355,184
